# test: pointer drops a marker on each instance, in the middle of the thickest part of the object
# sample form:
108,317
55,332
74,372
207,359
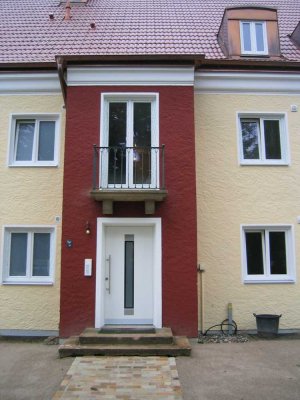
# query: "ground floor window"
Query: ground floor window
268,254
28,255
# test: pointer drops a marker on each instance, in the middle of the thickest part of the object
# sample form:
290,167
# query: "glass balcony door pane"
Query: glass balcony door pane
141,143
117,142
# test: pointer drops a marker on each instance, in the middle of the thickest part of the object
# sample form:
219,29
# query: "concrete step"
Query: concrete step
128,329
72,348
131,336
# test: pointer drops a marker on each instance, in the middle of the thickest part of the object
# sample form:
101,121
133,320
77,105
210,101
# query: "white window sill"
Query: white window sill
255,53
35,283
265,163
35,165
259,281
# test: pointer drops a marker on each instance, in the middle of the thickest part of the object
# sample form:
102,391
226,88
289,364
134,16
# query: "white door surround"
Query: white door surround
102,223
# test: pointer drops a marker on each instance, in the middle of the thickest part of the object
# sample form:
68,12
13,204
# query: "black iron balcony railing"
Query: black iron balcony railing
121,167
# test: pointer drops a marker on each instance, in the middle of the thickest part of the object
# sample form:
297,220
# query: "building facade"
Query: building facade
149,166
31,203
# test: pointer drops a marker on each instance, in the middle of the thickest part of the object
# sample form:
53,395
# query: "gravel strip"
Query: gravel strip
222,338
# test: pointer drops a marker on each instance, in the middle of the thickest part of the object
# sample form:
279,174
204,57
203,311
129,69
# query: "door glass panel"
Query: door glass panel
250,136
41,254
142,143
46,141
246,36
277,253
272,140
117,143
18,254
254,253
25,136
129,272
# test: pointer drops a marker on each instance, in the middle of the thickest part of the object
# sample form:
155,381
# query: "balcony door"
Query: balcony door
129,137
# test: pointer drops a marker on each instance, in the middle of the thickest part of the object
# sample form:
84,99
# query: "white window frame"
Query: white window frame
107,98
6,243
254,50
37,117
284,138
267,277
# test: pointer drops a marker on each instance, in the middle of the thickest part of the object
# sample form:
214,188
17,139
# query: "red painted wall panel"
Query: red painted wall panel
178,211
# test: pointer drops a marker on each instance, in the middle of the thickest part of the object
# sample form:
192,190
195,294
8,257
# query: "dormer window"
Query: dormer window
253,37
250,31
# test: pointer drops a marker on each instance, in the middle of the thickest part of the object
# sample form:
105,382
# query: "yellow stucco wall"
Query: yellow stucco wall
30,196
229,195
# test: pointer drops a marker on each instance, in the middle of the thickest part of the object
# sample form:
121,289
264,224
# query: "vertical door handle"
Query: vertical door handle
107,274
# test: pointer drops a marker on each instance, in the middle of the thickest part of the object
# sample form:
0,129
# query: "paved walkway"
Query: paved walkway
124,378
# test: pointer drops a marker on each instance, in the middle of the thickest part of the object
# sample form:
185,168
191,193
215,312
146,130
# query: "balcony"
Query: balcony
123,173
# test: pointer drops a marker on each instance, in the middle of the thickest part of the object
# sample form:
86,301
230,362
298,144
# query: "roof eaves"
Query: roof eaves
251,64
133,59
250,7
28,66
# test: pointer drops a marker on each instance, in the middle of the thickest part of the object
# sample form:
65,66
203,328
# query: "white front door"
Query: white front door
128,275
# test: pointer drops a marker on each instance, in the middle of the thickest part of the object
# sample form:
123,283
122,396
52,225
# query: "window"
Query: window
268,254
28,255
34,141
129,138
253,37
263,139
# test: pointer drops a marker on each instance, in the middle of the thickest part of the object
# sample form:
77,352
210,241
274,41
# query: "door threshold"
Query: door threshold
128,329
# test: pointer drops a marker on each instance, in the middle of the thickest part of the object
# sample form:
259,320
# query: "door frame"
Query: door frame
102,223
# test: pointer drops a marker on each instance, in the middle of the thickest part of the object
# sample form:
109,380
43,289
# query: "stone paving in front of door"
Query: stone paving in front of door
122,378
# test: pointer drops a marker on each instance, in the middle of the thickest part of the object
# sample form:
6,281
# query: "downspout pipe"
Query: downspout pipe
62,81
201,297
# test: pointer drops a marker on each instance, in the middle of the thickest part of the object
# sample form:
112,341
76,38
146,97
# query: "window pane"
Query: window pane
277,253
250,136
142,140
18,254
246,36
272,140
46,141
259,37
41,254
254,253
117,143
24,140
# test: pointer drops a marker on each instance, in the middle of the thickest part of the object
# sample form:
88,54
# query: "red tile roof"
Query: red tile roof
126,27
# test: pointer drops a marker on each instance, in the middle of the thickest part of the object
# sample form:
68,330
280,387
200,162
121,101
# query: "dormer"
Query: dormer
249,32
295,36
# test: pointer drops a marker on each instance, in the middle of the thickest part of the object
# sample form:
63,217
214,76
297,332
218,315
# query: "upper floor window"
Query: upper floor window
28,255
34,141
253,37
263,139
